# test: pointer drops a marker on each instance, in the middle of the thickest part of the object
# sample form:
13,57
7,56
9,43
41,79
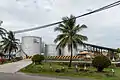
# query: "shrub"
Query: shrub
101,62
37,59
2,60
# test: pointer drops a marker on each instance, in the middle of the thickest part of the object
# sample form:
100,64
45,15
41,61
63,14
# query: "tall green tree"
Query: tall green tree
9,44
118,50
2,30
69,35
3,33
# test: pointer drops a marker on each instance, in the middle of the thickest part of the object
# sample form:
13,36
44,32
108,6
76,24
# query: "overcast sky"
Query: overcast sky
103,27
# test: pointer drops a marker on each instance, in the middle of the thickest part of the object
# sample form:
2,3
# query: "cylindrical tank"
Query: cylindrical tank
18,53
50,50
31,45
68,53
43,47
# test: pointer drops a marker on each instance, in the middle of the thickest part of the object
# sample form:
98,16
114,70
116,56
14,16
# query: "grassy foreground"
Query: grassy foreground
91,73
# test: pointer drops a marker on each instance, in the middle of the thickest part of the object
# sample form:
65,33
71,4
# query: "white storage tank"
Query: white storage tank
43,47
31,45
18,52
50,50
68,53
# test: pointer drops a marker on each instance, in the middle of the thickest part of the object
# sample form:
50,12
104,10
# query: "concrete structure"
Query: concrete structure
31,45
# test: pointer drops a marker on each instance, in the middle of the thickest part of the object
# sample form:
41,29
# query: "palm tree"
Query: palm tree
9,44
3,33
2,30
69,35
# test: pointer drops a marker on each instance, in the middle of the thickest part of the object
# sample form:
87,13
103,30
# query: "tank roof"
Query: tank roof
51,44
31,36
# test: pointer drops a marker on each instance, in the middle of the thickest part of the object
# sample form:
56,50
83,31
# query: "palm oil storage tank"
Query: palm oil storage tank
50,50
68,53
31,45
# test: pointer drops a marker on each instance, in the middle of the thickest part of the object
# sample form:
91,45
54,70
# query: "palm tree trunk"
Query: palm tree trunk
71,56
2,59
9,56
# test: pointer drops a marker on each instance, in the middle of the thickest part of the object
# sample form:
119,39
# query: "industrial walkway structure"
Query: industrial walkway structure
99,49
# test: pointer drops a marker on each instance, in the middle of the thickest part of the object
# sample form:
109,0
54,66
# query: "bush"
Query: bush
37,59
101,62
2,60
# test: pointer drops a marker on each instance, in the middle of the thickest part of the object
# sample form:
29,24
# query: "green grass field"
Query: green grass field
91,73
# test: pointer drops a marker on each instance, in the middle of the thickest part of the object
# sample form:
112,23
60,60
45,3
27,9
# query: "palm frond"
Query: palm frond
60,37
81,37
60,29
2,32
9,44
79,28
62,43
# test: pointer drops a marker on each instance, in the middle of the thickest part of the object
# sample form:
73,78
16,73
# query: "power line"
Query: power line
48,25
